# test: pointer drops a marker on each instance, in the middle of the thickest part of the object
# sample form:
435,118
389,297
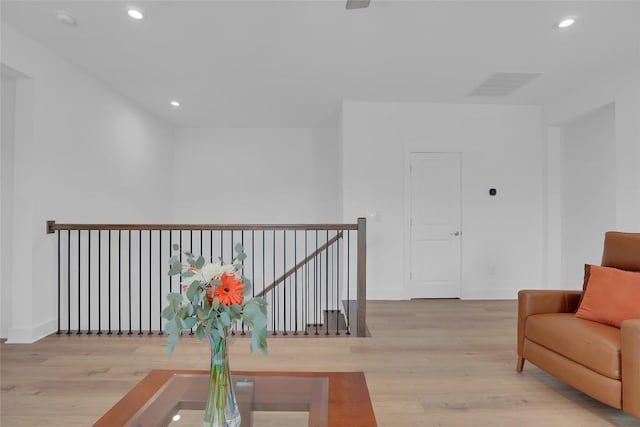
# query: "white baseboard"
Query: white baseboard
489,293
31,335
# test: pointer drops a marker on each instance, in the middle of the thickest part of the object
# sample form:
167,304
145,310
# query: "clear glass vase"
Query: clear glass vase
222,407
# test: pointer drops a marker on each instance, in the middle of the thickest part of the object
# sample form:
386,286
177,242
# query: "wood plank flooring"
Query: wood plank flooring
427,363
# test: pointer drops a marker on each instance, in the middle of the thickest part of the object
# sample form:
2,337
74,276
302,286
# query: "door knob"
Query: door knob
455,233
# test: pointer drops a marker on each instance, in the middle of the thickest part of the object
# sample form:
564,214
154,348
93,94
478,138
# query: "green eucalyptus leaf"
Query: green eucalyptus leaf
251,310
176,247
176,268
225,319
188,274
182,312
259,340
189,323
200,332
168,313
174,297
236,309
220,330
247,286
202,315
209,326
193,292
170,327
200,262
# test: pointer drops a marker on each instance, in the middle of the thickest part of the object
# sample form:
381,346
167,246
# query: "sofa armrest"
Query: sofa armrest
532,302
630,355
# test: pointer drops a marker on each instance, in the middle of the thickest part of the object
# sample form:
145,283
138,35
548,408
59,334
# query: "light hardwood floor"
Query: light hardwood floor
427,363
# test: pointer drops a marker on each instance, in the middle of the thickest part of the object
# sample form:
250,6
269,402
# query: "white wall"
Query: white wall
249,176
620,88
501,147
7,111
588,188
82,154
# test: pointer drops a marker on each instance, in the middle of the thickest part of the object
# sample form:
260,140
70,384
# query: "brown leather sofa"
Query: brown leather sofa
600,360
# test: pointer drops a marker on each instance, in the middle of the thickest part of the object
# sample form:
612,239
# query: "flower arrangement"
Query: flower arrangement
215,295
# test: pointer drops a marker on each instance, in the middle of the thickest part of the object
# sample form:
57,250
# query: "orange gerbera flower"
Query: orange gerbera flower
229,292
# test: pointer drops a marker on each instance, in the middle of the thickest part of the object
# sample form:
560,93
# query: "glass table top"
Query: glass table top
264,401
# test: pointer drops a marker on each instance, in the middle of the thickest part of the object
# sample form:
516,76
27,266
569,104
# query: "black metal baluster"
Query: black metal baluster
99,282
253,263
89,285
305,297
326,277
150,266
180,281
295,289
140,283
68,282
119,282
160,280
231,258
243,273
129,266
315,285
170,250
79,283
348,280
211,245
284,285
273,294
59,283
264,274
337,285
109,280
221,245
191,250
232,250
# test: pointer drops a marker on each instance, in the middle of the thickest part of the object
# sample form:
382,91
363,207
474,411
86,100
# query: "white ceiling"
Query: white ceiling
291,63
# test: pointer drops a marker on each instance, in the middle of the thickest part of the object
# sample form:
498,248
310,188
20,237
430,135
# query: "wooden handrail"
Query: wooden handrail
52,227
299,265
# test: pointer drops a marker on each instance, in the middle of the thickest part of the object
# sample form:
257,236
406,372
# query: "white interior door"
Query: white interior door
435,233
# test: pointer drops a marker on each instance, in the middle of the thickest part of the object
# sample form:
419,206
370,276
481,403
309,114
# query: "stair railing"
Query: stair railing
112,278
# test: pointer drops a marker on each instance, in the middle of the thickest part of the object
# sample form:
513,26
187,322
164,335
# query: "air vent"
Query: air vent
503,84
357,4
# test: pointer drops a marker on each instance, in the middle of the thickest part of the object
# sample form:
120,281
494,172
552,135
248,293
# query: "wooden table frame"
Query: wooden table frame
349,401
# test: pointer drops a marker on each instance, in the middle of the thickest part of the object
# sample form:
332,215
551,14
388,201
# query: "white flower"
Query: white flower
210,271
187,281
229,268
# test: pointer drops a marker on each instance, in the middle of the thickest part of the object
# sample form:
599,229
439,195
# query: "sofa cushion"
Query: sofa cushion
611,296
591,344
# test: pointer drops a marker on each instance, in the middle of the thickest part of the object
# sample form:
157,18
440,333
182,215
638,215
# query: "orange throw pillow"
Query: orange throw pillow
611,296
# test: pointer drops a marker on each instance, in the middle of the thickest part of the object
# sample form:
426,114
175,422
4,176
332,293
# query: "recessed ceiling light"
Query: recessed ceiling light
175,103
66,18
567,22
176,417
135,14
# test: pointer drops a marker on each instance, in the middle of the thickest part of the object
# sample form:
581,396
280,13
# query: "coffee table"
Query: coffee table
300,399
